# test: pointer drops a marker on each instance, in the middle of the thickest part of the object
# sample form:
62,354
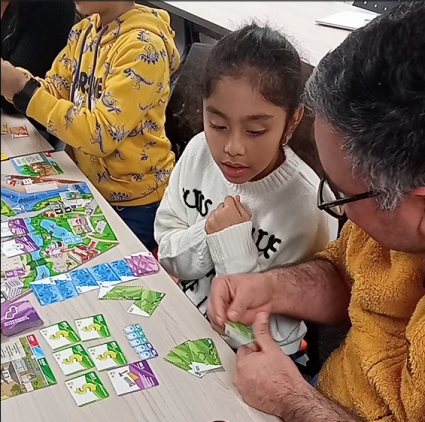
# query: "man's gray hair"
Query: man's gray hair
371,90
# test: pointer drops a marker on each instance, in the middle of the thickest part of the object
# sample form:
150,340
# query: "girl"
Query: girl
239,200
105,96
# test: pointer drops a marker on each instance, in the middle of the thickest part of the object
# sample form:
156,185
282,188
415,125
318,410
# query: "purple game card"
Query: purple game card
18,317
144,264
134,377
17,226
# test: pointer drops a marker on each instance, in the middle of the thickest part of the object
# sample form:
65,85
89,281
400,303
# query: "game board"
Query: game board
48,227
24,367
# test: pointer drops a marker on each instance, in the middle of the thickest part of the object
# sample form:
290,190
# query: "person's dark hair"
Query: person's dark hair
262,54
265,57
371,89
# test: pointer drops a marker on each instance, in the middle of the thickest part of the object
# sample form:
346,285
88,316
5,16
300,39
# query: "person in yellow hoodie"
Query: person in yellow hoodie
368,96
105,96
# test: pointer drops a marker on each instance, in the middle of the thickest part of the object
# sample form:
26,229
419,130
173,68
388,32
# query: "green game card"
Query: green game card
147,303
204,355
107,356
60,335
120,292
87,389
240,333
92,328
73,359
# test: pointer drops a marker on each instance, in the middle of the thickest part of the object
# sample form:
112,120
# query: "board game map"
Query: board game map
48,227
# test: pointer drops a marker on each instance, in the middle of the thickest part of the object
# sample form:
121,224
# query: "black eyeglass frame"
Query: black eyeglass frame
327,206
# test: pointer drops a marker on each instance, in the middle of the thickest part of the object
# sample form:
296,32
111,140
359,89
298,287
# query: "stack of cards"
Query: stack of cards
238,334
139,342
4,129
87,389
3,156
134,377
146,301
197,357
66,286
142,264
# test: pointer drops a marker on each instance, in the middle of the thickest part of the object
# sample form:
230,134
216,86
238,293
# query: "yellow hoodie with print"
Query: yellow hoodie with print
106,95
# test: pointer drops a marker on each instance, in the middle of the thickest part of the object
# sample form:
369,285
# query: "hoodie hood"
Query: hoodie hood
151,20
93,40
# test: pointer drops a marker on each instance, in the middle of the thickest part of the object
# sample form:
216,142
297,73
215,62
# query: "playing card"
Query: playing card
37,165
134,328
4,129
87,389
241,334
180,356
60,335
92,328
122,269
73,359
131,378
14,227
147,303
18,131
142,264
18,246
65,286
83,281
204,355
3,156
104,273
107,356
120,292
46,291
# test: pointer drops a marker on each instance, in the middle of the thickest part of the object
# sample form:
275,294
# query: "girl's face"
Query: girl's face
244,131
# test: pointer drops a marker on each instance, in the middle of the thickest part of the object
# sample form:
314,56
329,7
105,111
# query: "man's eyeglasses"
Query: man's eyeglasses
333,202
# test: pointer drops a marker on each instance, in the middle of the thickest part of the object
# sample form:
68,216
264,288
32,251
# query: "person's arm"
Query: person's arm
308,405
322,284
117,112
233,250
182,248
44,37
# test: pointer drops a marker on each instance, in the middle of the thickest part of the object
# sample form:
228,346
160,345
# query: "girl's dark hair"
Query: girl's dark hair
265,57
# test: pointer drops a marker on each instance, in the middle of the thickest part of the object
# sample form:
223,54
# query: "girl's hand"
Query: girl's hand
12,80
228,213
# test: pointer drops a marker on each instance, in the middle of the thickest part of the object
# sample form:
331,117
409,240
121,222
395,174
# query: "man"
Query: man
368,96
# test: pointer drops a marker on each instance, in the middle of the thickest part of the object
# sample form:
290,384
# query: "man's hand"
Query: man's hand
265,376
239,298
229,213
12,80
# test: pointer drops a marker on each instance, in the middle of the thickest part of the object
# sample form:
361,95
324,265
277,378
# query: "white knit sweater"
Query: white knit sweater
286,227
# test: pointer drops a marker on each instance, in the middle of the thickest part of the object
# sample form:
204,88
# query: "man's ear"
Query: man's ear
419,194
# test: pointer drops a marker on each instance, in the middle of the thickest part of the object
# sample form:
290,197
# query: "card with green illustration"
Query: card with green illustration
107,356
147,303
60,335
239,333
120,292
204,355
182,362
73,359
87,389
92,328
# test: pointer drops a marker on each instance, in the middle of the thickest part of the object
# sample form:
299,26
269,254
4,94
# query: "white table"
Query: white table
295,18
15,147
180,397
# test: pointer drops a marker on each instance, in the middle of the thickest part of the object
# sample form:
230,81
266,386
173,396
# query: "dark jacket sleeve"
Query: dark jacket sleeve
44,36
